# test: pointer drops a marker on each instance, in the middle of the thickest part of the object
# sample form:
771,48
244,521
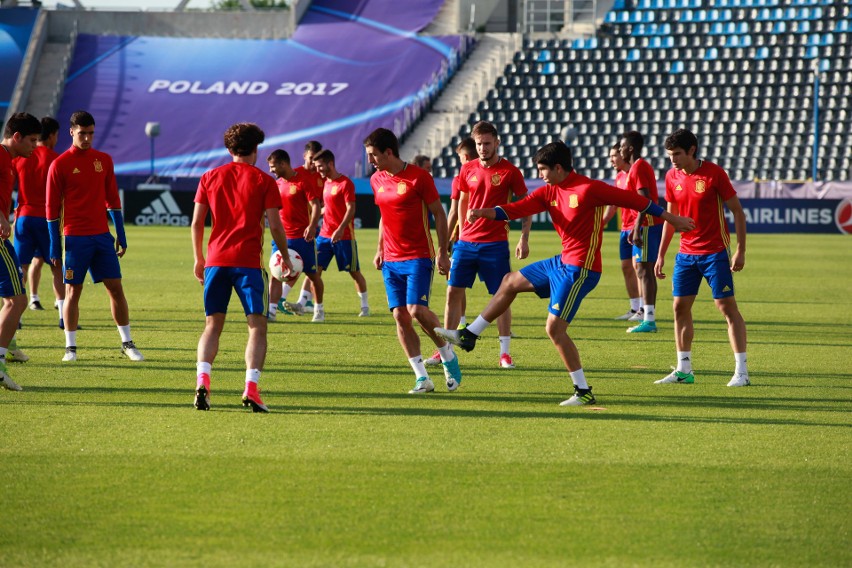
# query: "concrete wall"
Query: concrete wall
268,24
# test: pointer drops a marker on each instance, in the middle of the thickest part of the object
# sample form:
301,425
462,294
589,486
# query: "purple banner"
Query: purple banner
16,27
337,79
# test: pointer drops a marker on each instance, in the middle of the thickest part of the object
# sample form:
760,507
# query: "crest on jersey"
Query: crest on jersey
401,188
69,274
293,189
99,167
678,188
334,190
699,186
495,179
573,202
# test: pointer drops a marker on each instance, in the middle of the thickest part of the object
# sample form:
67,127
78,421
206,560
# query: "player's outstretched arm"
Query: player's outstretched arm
489,213
738,258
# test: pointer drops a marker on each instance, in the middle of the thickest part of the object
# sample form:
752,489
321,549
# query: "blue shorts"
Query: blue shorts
308,252
564,284
93,253
625,249
689,269
31,239
11,275
650,249
345,251
489,260
408,282
251,284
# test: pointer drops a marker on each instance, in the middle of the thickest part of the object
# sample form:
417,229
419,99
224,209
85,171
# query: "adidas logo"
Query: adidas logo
726,289
163,210
555,306
76,171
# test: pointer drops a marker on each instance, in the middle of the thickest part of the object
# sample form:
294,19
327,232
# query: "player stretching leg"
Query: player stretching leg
576,206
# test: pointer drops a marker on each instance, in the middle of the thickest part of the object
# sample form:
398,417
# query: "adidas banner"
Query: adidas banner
170,208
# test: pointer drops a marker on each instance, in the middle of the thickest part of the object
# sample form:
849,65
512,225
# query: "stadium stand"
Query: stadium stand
740,73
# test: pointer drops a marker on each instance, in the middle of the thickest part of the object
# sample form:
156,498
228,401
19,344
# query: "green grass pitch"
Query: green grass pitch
105,462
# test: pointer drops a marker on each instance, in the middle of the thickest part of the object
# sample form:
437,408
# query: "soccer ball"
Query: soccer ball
278,269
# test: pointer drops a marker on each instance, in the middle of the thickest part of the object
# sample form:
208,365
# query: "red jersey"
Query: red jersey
489,187
297,193
335,195
238,195
454,189
403,201
316,178
701,196
7,181
641,176
628,216
576,207
32,181
80,188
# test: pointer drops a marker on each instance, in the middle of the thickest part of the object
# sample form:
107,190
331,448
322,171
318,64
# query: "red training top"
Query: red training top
296,196
238,195
628,216
335,195
403,202
314,176
576,207
641,176
32,181
489,187
80,188
700,196
7,181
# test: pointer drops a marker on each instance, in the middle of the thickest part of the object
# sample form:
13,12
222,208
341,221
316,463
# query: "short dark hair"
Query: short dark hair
616,147
23,123
243,138
279,155
467,146
555,153
421,159
82,118
383,139
313,146
49,126
681,138
635,139
325,156
483,127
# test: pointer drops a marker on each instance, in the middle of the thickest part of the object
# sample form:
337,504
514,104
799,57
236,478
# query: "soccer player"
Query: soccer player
625,249
81,189
405,255
483,247
337,236
300,212
698,188
312,147
576,205
646,234
32,239
466,151
20,136
237,195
